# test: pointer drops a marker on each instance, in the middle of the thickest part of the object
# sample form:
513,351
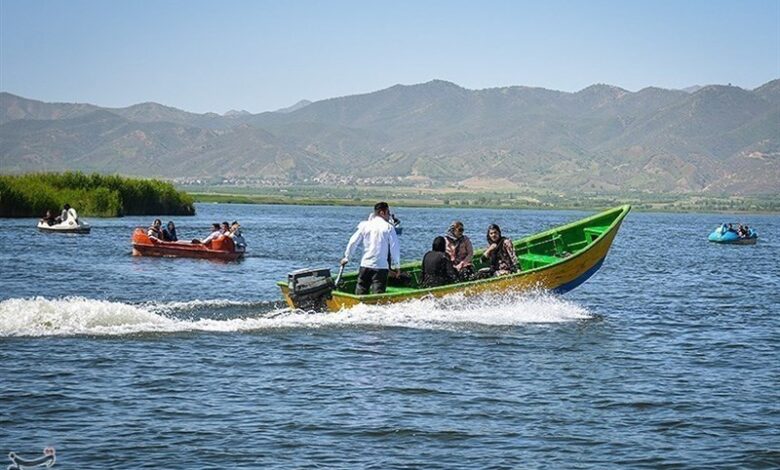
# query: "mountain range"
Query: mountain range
714,139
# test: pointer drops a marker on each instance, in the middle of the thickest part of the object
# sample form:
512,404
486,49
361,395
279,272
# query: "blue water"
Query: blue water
667,358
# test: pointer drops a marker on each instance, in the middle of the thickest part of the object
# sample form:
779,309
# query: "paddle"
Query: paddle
338,277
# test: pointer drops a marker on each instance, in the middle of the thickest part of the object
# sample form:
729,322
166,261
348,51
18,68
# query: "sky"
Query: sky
257,55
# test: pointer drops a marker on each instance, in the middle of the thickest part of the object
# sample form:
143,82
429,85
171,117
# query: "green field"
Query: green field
441,197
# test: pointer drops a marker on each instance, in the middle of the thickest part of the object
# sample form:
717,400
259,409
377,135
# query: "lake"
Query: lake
669,357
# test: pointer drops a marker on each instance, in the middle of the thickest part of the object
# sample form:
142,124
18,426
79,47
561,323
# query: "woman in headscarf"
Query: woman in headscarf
460,250
169,232
437,268
500,252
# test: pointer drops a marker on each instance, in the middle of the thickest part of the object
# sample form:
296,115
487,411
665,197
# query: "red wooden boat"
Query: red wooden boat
221,248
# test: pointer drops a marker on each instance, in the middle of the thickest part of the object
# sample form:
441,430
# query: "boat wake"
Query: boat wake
72,316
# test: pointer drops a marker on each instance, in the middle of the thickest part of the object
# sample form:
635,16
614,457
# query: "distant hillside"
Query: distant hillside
692,89
295,107
716,139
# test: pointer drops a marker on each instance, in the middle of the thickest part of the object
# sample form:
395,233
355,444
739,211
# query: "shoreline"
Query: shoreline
639,206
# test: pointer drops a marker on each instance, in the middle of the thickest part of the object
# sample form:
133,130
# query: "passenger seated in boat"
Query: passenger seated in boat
500,252
235,234
155,231
460,250
64,215
169,232
215,233
49,218
437,269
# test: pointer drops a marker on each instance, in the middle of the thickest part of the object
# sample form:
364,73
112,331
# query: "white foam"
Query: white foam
172,307
459,311
80,316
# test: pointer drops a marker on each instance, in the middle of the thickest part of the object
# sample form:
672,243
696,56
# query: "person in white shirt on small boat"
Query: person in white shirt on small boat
64,215
235,234
67,222
378,238
67,213
155,230
216,231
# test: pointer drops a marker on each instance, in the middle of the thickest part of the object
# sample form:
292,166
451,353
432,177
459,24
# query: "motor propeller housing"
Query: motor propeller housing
310,288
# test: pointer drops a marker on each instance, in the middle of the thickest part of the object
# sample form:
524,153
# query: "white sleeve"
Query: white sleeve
356,238
395,250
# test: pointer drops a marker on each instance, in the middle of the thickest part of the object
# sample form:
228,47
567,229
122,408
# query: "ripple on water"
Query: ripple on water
665,358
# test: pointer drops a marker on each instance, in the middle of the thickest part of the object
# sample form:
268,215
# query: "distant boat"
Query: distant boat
221,248
68,226
725,233
558,259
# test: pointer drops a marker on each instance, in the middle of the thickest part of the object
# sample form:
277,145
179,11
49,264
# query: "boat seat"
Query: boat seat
594,232
535,260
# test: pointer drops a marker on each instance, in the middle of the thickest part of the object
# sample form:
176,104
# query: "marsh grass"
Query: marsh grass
32,194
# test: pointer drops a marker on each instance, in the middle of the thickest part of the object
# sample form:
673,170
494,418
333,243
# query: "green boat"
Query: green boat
558,260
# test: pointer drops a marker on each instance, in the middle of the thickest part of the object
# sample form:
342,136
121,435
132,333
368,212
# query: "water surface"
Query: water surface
666,358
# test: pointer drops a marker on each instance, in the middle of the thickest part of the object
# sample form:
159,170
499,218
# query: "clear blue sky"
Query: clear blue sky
262,55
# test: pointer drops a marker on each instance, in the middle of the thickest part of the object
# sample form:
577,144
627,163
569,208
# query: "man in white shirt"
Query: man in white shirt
64,215
215,233
379,239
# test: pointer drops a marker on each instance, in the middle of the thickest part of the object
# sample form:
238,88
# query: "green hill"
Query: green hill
716,139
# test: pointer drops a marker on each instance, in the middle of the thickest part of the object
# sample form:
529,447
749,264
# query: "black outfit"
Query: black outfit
371,280
169,235
437,270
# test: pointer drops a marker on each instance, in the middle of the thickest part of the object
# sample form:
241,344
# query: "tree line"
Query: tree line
32,194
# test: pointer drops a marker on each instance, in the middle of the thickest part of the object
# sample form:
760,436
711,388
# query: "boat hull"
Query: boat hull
65,227
743,241
731,238
222,249
560,275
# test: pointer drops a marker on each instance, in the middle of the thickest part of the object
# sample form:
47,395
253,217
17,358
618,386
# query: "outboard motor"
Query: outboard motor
310,288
